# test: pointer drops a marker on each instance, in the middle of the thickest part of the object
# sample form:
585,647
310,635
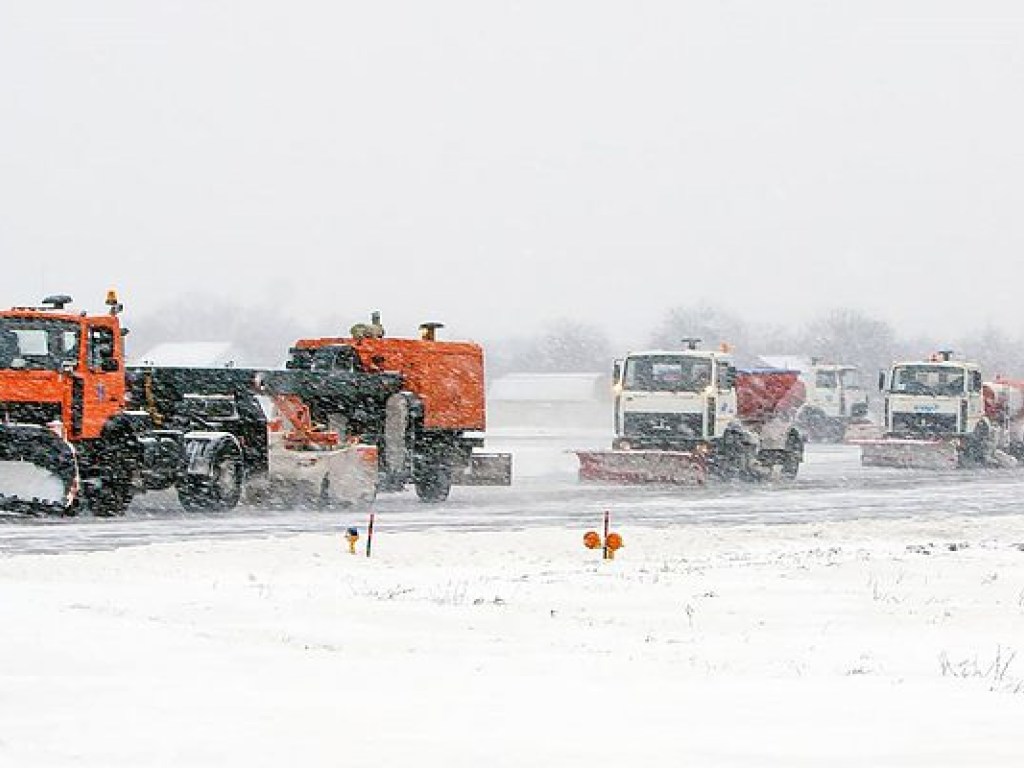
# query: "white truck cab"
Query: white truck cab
941,397
835,390
673,399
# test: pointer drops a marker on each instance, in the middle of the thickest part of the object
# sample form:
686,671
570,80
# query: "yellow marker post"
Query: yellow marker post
352,536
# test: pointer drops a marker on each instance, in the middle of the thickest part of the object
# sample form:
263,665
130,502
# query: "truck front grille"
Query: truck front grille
926,424
688,426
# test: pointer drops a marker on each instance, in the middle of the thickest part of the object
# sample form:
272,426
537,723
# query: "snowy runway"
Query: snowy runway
854,618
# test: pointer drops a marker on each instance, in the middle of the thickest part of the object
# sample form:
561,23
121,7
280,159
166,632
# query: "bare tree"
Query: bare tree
712,325
996,352
846,335
568,346
262,334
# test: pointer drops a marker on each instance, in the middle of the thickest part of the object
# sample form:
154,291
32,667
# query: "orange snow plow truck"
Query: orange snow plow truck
429,431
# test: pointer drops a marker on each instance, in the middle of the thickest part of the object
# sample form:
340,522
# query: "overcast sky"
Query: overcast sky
499,164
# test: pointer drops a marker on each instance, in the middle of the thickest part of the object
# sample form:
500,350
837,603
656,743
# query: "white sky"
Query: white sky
497,164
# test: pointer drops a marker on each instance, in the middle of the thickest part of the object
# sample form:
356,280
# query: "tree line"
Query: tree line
840,335
263,334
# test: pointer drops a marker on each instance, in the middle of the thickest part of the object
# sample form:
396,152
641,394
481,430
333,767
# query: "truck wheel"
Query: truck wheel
110,499
220,491
731,460
790,465
975,450
434,483
816,424
791,459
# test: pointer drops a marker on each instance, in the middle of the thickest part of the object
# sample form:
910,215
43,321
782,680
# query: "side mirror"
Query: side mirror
881,381
110,365
616,372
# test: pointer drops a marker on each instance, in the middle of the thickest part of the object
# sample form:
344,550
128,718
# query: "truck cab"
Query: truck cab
61,369
938,398
836,391
673,399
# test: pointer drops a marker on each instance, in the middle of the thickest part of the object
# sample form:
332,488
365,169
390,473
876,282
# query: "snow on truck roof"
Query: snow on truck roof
680,353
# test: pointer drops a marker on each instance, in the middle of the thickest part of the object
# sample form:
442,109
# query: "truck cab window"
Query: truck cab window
101,347
825,380
37,343
667,374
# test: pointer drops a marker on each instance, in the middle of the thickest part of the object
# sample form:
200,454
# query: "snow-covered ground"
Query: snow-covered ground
810,624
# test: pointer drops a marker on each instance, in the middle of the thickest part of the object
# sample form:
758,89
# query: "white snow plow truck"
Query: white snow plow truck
940,414
684,415
835,398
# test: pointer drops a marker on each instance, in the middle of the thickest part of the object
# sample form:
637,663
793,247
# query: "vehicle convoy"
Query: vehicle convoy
79,428
428,431
940,414
684,415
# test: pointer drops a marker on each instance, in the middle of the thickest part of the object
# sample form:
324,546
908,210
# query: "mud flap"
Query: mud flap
485,469
640,467
909,454
38,470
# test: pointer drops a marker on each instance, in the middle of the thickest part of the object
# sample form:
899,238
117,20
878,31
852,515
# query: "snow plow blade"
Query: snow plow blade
641,467
486,469
38,470
342,476
909,454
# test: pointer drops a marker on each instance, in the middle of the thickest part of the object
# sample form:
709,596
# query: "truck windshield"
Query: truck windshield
667,374
933,380
850,378
825,380
37,343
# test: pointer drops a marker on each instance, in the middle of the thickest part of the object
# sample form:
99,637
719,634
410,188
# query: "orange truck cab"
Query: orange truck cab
64,368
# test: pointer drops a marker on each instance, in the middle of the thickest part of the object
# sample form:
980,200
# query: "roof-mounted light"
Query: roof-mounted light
112,302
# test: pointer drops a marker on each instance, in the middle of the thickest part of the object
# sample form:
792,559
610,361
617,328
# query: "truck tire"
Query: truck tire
792,458
108,491
220,491
109,498
434,482
975,450
818,427
733,457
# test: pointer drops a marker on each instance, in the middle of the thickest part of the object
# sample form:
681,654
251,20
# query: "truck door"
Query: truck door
103,382
725,406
